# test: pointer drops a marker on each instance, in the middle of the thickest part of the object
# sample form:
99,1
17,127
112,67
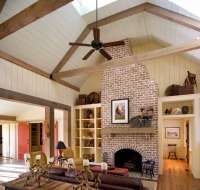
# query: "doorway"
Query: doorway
187,142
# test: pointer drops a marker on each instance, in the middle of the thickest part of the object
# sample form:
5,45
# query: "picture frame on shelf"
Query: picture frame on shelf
172,132
120,111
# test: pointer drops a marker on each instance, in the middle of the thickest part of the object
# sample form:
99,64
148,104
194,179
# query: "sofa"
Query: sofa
108,181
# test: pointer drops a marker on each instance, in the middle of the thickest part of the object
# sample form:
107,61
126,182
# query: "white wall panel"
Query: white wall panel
21,80
3,73
8,76
14,77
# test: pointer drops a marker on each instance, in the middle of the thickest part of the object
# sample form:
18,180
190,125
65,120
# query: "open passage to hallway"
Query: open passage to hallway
177,176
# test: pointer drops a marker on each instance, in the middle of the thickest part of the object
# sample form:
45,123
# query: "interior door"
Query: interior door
6,140
23,139
187,142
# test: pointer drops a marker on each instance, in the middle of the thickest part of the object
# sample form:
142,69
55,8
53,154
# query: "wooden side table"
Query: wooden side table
172,151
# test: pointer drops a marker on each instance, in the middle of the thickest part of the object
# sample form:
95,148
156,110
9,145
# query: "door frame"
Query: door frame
23,98
187,141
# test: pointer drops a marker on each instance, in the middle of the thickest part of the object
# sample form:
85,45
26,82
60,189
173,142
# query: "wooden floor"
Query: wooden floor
177,176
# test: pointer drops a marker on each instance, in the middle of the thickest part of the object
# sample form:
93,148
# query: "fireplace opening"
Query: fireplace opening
128,158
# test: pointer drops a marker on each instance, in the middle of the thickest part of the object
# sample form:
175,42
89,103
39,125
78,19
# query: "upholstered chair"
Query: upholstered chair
69,153
43,160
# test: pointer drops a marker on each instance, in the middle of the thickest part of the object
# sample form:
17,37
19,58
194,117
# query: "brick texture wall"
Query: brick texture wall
131,82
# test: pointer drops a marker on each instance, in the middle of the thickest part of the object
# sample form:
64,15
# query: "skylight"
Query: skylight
86,6
192,6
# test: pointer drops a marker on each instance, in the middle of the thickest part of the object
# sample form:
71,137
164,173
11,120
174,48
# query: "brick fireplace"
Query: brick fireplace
132,82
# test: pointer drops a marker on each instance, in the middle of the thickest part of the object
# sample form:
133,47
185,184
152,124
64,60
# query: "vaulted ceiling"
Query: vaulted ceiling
36,34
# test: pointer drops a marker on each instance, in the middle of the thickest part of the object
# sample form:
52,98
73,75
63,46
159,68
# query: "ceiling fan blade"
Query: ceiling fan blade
96,33
105,54
116,43
88,54
79,44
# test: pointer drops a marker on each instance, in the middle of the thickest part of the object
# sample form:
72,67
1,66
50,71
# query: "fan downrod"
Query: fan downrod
97,45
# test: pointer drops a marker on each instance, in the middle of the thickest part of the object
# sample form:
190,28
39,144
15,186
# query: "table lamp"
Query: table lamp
60,145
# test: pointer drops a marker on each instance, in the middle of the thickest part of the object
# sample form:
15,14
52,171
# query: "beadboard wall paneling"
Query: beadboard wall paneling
164,71
92,84
21,80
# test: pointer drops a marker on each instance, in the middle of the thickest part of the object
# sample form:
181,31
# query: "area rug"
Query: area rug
52,185
151,185
144,176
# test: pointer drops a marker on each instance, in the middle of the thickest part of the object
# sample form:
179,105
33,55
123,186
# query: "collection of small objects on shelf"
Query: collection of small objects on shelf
144,119
88,131
187,88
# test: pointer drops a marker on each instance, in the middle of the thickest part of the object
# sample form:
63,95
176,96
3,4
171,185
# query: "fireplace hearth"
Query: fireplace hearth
128,158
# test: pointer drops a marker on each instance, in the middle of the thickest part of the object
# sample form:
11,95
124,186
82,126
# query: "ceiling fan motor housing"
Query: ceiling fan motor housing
97,45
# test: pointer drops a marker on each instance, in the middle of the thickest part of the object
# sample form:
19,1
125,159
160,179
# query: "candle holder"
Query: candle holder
87,179
37,171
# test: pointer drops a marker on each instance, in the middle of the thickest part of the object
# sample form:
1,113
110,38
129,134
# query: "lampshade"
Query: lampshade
60,145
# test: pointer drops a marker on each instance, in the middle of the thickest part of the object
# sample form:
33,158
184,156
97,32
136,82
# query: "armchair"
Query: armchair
69,153
43,160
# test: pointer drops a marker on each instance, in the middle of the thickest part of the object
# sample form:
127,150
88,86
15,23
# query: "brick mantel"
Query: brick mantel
124,130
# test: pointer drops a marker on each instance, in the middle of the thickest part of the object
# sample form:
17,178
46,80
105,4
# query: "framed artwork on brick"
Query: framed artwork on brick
172,132
120,111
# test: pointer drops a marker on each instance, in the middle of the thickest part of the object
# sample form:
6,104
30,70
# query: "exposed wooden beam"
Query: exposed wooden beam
16,96
71,51
2,3
30,14
67,84
132,59
172,16
7,118
29,67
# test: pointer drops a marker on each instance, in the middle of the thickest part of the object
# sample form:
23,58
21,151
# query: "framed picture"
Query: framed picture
120,111
172,132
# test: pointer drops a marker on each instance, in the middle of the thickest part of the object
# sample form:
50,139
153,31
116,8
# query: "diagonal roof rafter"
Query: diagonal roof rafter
2,3
29,15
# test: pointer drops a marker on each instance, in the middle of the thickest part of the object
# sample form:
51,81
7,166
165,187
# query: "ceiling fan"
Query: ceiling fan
97,44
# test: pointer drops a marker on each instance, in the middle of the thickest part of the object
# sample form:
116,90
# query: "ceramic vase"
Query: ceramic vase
185,109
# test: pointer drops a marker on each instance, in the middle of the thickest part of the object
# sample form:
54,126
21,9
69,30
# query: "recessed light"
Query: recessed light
197,38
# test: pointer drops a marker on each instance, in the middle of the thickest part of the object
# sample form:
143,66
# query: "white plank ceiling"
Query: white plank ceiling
44,42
